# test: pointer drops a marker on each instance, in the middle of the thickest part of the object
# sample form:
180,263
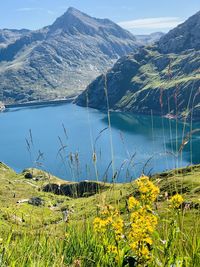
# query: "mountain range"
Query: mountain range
163,78
59,60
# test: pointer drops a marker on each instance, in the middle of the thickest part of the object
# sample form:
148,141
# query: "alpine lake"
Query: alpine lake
76,143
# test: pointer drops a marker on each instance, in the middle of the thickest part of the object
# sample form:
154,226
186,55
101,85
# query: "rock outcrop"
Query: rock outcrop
81,189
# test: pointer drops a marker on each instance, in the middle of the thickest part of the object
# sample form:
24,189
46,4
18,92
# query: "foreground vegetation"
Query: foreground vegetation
149,222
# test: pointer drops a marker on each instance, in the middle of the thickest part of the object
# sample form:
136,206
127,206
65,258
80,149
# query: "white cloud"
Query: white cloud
151,23
27,9
30,9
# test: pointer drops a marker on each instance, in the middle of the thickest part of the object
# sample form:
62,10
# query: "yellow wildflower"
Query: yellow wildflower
133,246
118,225
144,251
106,210
147,189
133,203
176,201
143,224
148,240
137,232
100,224
112,249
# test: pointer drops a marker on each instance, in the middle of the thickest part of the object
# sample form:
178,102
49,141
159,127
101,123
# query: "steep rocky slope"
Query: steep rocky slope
163,79
61,59
183,37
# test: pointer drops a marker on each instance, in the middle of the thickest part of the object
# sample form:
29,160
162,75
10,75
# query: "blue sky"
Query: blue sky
138,16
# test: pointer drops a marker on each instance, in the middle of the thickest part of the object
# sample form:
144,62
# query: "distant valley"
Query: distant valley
148,39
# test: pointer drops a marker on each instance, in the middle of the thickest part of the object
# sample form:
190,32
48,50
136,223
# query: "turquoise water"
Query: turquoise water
140,143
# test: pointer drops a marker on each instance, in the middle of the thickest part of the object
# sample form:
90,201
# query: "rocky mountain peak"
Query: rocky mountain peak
74,21
73,13
185,36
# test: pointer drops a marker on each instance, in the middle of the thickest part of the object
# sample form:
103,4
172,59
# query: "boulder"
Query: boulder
36,201
28,175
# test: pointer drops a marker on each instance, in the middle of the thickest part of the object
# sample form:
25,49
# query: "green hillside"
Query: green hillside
34,235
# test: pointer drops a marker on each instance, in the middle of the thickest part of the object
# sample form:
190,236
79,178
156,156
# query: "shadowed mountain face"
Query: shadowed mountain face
163,79
59,60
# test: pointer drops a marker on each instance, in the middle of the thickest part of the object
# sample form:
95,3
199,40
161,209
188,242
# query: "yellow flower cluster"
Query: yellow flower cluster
136,233
176,201
147,189
100,225
110,220
142,220
118,225
143,224
133,203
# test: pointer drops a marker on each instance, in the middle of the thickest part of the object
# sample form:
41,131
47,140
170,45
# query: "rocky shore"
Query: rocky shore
2,107
40,103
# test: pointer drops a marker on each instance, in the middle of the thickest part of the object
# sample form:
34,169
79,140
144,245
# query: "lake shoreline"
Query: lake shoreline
164,174
40,103
71,99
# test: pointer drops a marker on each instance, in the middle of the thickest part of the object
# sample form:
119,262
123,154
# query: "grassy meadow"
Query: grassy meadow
142,223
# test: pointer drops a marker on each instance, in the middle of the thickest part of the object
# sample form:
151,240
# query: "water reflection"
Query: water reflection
170,133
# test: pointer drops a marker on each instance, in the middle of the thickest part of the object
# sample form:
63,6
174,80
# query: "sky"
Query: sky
138,16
